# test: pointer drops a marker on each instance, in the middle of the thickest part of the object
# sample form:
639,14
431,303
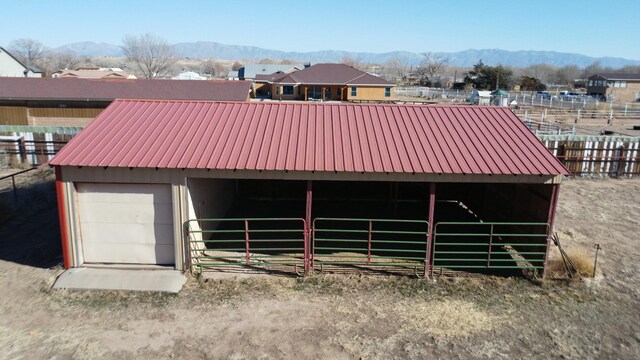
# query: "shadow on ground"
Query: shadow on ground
29,227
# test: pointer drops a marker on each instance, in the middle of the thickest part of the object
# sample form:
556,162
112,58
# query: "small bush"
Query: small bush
583,261
581,258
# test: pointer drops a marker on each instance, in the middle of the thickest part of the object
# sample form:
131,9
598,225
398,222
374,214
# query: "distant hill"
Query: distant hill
467,58
90,48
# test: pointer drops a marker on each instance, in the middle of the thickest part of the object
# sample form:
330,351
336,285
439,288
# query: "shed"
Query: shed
306,187
480,97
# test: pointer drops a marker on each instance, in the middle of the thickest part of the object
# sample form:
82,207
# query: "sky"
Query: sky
594,28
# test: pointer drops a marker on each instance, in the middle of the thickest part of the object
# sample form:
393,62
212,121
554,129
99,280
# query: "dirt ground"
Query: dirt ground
333,316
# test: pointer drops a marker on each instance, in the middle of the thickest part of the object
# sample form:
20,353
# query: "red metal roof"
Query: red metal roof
110,89
310,137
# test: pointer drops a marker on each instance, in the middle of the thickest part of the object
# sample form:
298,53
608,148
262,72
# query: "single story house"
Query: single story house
327,82
623,88
12,67
249,71
76,102
305,187
94,73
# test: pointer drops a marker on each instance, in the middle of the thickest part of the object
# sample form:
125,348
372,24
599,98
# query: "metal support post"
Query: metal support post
308,256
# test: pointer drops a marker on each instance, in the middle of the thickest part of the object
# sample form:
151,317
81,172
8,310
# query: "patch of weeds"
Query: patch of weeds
224,290
319,284
105,299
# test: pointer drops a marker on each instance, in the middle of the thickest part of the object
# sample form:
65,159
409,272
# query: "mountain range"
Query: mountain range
466,58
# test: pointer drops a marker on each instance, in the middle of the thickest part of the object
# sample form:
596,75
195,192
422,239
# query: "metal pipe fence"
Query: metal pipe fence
490,245
263,243
353,242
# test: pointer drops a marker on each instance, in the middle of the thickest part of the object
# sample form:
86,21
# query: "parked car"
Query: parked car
569,95
544,95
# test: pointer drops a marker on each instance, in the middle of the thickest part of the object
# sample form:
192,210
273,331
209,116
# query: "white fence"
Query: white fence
530,98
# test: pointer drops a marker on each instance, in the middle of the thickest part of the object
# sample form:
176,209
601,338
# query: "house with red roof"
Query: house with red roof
328,82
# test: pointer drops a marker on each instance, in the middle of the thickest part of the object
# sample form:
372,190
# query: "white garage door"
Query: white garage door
126,223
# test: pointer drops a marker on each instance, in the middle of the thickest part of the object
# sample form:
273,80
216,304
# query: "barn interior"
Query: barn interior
481,227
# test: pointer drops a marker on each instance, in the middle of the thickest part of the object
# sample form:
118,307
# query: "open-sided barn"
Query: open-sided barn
76,102
304,186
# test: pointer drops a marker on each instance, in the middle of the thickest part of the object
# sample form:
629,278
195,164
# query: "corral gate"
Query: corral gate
288,245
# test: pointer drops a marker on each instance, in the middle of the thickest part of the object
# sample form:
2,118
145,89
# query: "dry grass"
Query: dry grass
447,318
581,258
583,261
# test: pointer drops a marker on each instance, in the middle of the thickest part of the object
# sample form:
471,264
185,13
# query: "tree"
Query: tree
430,66
542,72
593,69
567,74
63,60
267,61
529,83
353,62
28,51
150,55
484,77
213,68
396,68
236,66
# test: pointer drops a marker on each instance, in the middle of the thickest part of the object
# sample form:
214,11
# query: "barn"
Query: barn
306,187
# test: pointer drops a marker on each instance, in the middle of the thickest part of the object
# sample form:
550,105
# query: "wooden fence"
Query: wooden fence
32,145
613,156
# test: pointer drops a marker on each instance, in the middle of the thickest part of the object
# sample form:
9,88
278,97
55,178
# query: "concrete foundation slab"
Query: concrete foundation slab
162,280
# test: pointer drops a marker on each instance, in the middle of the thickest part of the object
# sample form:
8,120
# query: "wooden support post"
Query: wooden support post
428,267
551,215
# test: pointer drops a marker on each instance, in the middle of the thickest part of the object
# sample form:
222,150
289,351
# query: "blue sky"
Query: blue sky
589,27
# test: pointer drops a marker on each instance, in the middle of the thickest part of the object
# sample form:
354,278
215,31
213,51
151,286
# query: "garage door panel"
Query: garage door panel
125,193
139,213
132,253
127,233
126,223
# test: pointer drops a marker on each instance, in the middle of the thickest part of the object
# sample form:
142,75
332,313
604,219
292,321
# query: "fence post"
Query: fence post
246,242
610,117
22,150
620,169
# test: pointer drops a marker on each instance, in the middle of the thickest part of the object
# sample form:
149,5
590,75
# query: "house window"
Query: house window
314,92
277,89
387,92
339,93
287,90
354,91
327,94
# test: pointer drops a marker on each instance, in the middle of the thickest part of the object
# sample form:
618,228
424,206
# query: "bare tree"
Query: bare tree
353,62
63,60
30,52
267,61
213,68
151,55
543,72
396,68
431,65
567,74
